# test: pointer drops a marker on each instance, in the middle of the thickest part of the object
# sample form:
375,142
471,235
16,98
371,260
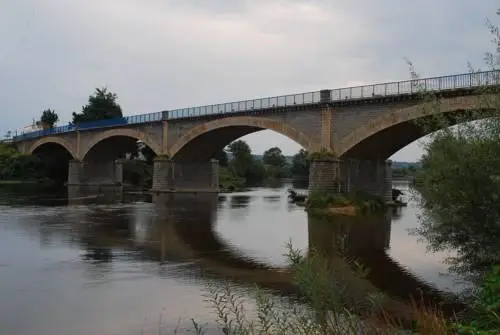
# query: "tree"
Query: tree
274,157
102,105
49,117
300,164
243,164
221,156
459,181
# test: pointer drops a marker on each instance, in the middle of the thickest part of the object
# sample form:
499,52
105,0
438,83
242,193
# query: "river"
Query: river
124,264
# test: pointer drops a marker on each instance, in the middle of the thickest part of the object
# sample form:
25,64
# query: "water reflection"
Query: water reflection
367,239
182,228
240,201
89,239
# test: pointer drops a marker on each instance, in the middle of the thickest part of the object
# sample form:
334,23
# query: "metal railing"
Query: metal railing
408,87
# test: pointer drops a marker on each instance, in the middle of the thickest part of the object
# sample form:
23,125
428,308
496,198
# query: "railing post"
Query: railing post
325,96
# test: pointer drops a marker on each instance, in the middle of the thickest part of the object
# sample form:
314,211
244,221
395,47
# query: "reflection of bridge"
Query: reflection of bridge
366,123
181,227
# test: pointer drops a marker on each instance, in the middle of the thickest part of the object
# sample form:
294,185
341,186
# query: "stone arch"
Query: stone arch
52,139
127,132
402,116
245,121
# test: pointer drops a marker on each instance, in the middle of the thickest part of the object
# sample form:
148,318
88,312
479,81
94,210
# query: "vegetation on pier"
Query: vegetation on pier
355,203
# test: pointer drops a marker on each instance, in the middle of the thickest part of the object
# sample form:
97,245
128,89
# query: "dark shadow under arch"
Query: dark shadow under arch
386,142
204,146
115,147
55,159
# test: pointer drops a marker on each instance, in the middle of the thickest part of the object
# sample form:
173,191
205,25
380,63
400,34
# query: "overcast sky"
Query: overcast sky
161,54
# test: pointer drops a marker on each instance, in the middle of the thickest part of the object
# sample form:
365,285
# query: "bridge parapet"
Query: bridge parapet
355,94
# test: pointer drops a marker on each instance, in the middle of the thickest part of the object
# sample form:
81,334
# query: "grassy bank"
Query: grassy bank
332,306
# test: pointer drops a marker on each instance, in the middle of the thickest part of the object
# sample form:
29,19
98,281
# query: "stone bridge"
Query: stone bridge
364,125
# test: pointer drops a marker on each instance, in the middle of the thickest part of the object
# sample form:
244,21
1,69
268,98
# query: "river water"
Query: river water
131,263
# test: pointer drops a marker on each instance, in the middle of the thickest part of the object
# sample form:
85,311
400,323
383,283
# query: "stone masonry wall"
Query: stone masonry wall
306,121
171,177
345,176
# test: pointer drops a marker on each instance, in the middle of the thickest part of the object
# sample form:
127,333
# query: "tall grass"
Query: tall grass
326,305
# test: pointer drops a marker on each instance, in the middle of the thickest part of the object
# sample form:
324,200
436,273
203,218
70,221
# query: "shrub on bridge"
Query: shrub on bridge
323,154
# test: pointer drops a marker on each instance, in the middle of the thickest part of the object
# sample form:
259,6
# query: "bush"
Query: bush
364,203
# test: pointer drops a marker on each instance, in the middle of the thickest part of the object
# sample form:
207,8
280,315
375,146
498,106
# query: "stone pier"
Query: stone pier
169,176
95,173
344,176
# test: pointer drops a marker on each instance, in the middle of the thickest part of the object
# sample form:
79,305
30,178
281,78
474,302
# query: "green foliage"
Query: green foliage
323,154
49,117
102,105
300,164
318,282
244,165
17,166
274,157
323,200
334,298
363,202
486,309
459,180
275,163
229,181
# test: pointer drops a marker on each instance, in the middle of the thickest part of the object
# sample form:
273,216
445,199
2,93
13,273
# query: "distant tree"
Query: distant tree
240,149
49,117
102,105
221,156
243,164
274,157
300,163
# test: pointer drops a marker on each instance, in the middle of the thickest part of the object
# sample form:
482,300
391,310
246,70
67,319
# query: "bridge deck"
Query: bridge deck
356,94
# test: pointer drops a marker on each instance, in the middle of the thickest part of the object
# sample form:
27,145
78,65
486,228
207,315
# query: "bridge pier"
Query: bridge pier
95,173
344,176
169,176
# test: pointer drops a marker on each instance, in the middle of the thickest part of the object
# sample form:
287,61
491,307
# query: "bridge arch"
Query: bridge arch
55,153
52,140
120,132
215,135
389,133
